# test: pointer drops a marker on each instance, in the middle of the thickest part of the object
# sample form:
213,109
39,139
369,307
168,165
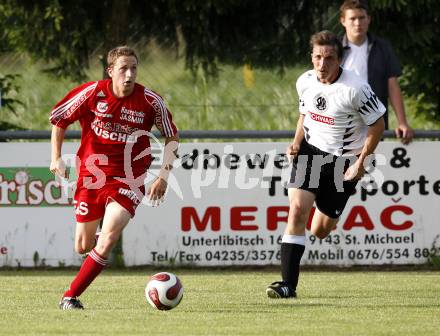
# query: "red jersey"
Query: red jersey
109,124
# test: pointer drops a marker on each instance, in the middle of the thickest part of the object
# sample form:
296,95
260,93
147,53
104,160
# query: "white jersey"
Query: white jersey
357,59
337,115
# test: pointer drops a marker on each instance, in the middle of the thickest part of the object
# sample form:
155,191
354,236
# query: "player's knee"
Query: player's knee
320,233
108,240
323,229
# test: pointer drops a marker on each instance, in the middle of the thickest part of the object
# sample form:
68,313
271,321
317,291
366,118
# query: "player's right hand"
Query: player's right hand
404,133
156,192
292,151
58,168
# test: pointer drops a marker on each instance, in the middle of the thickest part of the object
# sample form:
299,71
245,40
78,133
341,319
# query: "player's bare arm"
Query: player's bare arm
158,188
293,148
375,132
57,165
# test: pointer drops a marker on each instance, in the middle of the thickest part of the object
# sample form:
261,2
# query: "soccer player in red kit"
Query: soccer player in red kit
115,116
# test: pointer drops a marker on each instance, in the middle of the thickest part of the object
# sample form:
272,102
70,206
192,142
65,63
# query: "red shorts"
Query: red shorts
90,203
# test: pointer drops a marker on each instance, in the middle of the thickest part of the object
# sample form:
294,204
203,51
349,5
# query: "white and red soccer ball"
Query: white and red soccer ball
164,291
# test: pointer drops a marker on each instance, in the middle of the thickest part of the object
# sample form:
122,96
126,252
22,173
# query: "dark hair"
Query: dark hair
326,38
353,4
113,54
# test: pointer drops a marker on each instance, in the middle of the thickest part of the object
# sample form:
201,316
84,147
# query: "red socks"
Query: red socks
91,267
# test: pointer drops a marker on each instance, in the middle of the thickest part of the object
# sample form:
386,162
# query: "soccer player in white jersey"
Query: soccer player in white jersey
340,125
115,116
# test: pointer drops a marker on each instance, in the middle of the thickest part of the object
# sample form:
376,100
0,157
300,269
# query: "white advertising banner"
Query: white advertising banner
226,205
229,207
37,225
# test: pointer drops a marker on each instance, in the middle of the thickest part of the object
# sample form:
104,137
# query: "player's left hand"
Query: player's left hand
156,192
404,133
355,172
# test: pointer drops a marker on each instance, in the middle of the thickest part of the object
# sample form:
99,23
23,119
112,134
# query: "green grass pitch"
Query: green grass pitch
225,302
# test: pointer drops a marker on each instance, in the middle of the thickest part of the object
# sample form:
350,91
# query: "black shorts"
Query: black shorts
323,174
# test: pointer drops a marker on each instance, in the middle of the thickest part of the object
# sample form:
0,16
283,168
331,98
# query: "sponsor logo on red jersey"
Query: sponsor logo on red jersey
114,131
133,116
75,105
130,194
103,115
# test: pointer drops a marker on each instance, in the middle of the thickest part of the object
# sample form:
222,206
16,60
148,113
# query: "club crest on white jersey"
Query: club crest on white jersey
320,102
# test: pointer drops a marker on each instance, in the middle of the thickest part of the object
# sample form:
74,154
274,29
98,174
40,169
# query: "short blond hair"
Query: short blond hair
117,52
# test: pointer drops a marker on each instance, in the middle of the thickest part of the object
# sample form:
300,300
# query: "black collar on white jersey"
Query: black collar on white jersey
339,75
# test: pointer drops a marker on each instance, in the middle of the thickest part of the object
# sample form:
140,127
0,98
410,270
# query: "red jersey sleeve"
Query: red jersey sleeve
73,105
162,116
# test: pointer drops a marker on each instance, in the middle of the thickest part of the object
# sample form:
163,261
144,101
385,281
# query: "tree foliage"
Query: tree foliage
270,33
8,85
413,27
62,33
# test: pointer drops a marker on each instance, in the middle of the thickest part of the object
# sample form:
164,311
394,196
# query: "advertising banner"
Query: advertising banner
37,223
227,205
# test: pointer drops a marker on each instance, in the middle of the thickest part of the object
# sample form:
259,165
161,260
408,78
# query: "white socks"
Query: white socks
292,239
